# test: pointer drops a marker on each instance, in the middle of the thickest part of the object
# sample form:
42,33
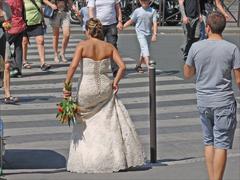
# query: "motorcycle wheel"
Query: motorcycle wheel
74,19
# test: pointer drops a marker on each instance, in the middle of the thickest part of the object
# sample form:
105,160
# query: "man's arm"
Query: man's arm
119,16
237,77
221,9
91,8
182,10
189,71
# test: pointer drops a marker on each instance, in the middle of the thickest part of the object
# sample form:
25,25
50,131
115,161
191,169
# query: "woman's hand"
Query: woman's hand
66,94
115,88
53,6
154,38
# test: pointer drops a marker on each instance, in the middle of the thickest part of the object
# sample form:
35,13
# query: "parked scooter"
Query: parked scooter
74,18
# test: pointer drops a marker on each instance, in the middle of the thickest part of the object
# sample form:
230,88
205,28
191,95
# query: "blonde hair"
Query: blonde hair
94,28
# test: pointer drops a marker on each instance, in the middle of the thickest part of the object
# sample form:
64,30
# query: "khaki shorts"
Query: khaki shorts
61,19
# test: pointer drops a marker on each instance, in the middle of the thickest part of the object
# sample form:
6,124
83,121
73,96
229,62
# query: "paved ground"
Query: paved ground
37,145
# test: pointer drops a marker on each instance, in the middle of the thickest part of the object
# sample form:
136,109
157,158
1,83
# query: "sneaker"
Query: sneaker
10,100
139,69
15,73
45,67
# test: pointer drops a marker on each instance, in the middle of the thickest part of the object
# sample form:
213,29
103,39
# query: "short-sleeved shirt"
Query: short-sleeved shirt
105,10
33,16
144,19
214,61
192,8
85,17
18,23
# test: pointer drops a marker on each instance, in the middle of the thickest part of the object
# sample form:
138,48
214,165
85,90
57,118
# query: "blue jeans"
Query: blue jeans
110,33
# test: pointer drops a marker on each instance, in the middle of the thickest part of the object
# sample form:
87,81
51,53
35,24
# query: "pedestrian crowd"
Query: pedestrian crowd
206,54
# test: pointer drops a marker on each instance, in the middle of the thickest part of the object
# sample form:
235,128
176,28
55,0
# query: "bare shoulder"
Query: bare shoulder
108,46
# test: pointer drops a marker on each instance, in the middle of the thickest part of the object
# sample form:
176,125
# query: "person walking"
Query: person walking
61,20
110,14
207,6
15,35
35,28
104,139
5,25
83,13
212,61
145,19
191,19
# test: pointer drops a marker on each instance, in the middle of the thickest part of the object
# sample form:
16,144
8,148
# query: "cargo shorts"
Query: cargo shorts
218,125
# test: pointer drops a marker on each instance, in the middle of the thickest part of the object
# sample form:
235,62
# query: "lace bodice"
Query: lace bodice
95,87
90,66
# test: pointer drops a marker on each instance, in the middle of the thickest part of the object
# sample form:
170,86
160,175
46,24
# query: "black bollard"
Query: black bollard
152,98
1,147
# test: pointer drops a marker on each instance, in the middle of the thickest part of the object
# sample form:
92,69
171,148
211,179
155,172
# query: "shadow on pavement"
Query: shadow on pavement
164,162
33,159
132,72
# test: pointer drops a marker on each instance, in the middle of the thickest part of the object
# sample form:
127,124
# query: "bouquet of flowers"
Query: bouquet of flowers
6,25
68,109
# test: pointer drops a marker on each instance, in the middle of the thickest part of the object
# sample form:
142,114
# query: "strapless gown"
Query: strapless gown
104,139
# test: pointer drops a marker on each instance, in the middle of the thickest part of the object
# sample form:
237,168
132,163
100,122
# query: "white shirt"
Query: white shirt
105,10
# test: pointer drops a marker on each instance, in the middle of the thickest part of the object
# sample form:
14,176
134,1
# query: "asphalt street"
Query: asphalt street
37,145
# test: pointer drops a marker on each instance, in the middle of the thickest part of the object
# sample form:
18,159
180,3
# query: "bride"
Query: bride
104,139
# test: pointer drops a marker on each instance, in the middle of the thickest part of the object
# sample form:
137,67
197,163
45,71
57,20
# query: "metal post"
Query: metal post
238,23
160,12
163,11
152,97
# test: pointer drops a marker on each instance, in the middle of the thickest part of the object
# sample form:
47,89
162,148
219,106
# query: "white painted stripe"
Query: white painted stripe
122,90
136,100
123,81
135,111
186,136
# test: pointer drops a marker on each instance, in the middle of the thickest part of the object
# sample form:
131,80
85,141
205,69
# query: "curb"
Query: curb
164,30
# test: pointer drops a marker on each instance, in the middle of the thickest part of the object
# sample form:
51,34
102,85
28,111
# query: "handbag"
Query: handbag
48,12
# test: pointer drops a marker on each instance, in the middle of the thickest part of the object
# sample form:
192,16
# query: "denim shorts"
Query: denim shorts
218,125
144,42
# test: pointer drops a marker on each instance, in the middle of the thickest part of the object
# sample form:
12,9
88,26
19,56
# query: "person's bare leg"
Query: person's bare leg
209,155
41,49
66,35
139,62
219,163
24,49
146,61
6,80
55,43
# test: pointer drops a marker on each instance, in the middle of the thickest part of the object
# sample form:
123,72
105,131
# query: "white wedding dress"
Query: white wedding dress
104,140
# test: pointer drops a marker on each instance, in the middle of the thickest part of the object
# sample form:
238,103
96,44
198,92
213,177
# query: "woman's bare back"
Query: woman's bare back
96,49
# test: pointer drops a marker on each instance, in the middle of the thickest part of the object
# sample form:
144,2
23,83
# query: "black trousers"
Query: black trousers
15,41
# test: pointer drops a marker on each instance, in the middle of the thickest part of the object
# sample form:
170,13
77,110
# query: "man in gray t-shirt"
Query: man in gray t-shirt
110,14
212,61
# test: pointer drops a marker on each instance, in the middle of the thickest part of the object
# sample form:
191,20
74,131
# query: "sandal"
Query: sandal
63,58
10,100
56,59
26,65
139,69
45,67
